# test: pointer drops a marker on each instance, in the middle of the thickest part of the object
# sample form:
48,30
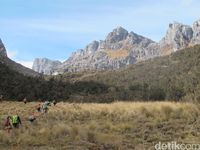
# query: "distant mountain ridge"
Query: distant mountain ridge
122,48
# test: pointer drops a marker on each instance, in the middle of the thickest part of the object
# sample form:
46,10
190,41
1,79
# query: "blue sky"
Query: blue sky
56,28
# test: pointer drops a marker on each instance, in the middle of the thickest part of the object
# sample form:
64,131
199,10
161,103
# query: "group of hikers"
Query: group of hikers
14,121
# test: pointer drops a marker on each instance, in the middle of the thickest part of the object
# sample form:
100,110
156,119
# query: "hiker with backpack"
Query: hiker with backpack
32,118
25,100
7,124
54,102
38,108
16,121
45,106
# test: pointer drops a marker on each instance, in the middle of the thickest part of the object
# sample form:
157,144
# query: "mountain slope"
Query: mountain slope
12,64
172,77
16,86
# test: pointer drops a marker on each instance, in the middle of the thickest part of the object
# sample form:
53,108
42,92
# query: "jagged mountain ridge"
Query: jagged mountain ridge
12,64
122,48
119,49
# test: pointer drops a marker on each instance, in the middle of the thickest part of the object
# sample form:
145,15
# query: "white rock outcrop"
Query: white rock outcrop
45,66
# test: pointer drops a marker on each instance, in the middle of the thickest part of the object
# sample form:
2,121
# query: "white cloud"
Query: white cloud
12,53
27,64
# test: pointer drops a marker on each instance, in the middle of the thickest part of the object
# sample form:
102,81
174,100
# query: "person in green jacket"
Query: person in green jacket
16,121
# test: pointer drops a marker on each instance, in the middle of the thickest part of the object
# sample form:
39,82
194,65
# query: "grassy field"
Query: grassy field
115,126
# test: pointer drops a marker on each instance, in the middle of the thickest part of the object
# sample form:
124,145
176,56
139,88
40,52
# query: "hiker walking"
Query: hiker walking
16,121
32,117
25,100
54,102
45,106
38,108
7,124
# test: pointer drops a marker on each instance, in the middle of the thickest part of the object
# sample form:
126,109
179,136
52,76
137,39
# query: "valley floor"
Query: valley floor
115,126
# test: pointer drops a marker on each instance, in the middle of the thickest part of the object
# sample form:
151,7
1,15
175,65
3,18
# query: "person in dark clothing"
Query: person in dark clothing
38,108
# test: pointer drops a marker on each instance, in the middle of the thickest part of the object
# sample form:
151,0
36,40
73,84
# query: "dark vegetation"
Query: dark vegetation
15,86
174,77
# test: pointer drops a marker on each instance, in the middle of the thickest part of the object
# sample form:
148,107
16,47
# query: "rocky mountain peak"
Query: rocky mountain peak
2,50
121,48
117,35
119,30
177,37
178,31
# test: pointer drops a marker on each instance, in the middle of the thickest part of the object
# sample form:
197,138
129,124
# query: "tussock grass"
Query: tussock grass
120,125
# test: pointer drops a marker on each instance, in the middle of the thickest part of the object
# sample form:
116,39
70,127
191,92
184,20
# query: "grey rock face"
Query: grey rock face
92,48
116,35
196,33
44,65
178,36
121,48
2,49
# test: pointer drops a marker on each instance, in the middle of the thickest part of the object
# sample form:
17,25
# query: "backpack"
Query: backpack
15,119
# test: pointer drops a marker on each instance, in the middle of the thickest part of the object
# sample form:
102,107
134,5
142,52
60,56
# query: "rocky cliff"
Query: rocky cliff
44,65
178,36
121,48
196,33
